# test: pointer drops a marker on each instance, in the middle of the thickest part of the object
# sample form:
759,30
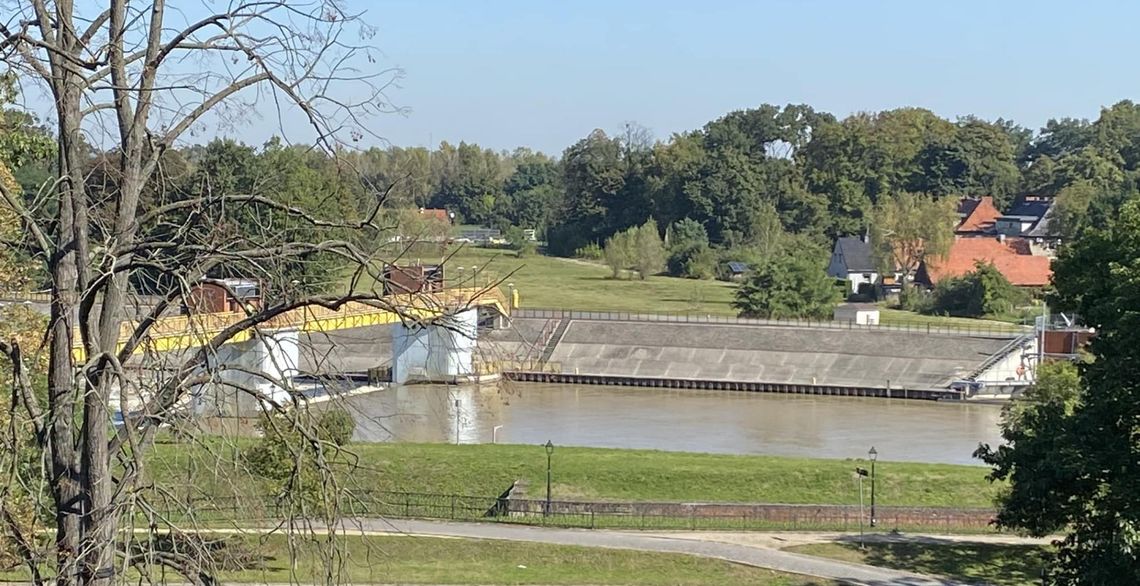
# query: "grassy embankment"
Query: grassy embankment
433,560
990,563
593,474
558,283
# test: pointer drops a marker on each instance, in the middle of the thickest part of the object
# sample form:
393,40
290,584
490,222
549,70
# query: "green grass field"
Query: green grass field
998,564
597,474
546,282
434,560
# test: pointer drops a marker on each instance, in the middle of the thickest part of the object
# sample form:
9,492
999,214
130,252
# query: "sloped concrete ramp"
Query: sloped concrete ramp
771,354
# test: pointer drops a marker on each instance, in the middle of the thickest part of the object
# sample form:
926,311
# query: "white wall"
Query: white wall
262,366
435,352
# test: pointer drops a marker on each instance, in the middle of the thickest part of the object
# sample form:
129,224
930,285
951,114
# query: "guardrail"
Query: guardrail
597,515
988,329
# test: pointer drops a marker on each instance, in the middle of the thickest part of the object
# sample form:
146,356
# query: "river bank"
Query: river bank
216,466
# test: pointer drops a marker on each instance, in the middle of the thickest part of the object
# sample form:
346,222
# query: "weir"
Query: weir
439,351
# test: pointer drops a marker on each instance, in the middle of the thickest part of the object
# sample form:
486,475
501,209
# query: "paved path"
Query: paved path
844,573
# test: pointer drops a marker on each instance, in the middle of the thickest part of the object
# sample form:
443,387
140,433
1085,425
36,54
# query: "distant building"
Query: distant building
736,270
1032,217
412,279
436,214
1010,256
852,260
977,217
480,236
864,314
224,295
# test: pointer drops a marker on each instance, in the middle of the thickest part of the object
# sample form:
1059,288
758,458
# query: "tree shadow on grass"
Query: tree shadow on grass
993,563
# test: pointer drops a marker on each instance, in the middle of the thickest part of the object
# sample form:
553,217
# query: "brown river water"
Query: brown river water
724,422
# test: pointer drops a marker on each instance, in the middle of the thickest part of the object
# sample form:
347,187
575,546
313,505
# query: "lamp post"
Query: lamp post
861,473
549,450
874,455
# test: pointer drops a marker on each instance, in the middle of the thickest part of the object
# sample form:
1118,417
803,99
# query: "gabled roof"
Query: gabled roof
978,215
1034,206
1023,270
856,254
436,213
1036,210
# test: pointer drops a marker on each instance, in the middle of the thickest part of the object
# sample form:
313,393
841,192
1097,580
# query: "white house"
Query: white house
852,260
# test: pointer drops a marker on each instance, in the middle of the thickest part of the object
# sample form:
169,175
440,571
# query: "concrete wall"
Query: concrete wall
435,352
870,359
250,375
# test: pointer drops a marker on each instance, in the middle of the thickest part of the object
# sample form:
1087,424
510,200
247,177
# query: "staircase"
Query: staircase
1014,345
554,339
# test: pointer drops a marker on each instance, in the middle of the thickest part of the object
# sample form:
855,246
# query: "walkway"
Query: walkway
762,557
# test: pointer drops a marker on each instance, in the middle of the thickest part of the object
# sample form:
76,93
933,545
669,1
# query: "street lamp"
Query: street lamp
861,473
549,450
874,455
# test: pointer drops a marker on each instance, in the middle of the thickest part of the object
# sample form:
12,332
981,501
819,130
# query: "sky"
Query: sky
543,74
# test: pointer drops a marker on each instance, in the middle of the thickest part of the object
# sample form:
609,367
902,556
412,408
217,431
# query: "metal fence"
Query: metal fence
597,515
989,329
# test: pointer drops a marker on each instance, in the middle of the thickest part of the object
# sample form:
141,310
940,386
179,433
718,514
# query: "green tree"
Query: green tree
648,250
907,228
619,251
977,159
593,178
1072,459
983,291
688,250
788,286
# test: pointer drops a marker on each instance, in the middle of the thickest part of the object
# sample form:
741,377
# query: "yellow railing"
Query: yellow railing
181,332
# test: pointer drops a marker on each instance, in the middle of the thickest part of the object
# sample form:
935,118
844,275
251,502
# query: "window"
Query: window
867,276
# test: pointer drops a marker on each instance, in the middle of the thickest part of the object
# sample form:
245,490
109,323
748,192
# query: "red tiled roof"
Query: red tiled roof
980,215
1023,270
437,213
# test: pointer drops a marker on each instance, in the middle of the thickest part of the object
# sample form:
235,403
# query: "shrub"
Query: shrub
336,426
590,251
984,291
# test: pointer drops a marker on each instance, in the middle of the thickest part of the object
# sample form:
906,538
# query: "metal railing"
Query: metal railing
594,515
988,329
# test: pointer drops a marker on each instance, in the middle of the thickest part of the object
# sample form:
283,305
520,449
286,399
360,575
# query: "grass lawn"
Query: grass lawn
547,282
596,474
998,564
909,318
433,560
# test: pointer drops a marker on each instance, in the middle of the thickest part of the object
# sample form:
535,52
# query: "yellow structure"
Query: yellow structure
183,332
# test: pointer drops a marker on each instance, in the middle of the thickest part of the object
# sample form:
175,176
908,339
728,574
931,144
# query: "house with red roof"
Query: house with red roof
436,214
1010,256
977,216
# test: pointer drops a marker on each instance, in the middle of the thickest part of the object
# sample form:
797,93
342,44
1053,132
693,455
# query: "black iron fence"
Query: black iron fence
591,515
982,328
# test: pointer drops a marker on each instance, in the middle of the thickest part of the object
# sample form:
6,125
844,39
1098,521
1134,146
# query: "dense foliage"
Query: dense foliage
983,291
790,285
1070,452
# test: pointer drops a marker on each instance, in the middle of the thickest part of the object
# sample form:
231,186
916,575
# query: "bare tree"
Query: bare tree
136,78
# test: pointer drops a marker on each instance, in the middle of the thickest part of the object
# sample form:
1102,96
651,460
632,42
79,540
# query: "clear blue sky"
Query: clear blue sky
505,73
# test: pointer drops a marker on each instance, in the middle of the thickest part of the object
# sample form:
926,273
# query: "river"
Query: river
724,422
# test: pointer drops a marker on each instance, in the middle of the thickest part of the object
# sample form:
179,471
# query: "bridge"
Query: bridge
434,337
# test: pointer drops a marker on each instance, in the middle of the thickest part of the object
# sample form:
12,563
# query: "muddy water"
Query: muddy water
697,421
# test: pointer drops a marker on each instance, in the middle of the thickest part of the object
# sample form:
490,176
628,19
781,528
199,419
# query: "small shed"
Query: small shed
736,270
864,314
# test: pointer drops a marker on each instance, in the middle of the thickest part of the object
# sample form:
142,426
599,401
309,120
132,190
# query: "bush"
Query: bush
787,287
985,291
336,426
590,251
